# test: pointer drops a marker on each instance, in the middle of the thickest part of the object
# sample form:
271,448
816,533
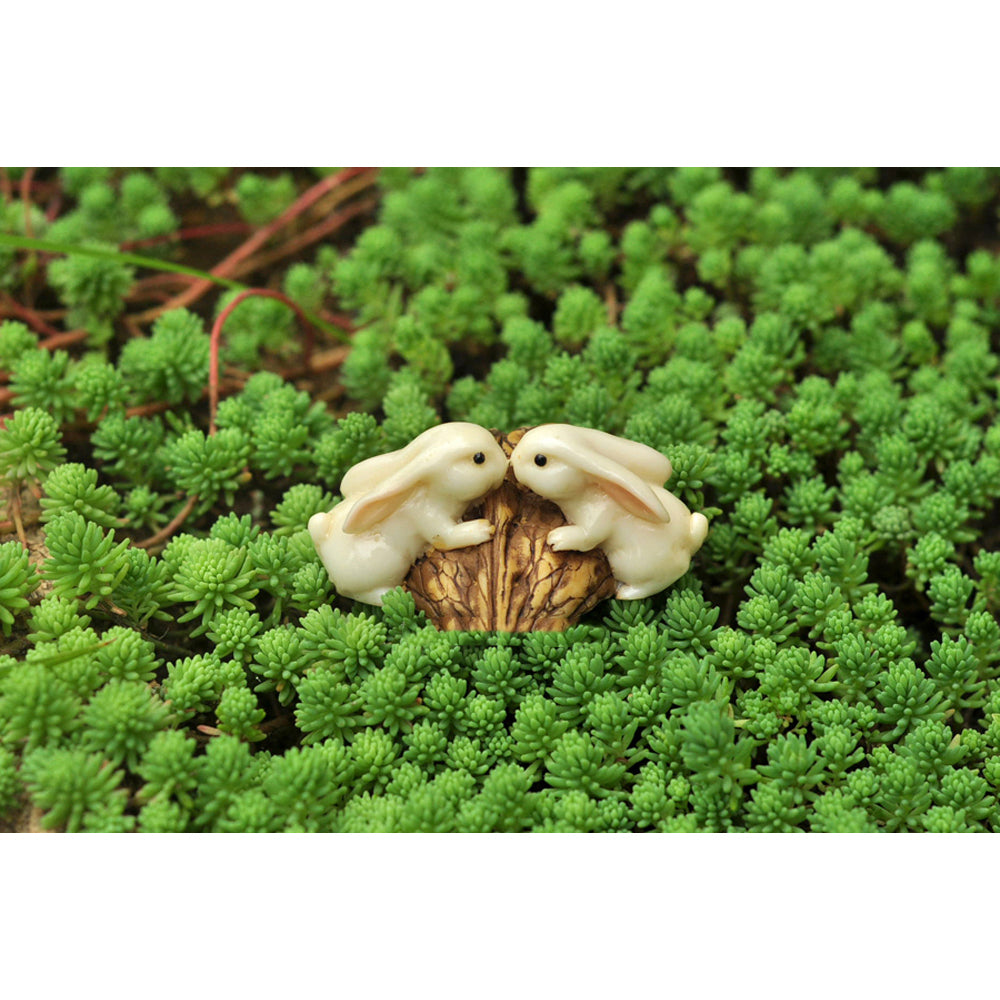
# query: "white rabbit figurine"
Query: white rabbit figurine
396,505
609,489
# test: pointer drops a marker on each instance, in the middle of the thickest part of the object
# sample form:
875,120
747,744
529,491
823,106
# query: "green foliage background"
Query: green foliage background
815,351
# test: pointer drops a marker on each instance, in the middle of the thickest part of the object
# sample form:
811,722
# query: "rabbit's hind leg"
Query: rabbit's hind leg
631,592
373,596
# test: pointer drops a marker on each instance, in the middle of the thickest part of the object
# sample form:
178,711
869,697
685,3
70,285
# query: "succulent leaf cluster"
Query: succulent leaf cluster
814,350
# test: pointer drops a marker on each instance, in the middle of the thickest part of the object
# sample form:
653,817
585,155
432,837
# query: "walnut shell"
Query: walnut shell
515,582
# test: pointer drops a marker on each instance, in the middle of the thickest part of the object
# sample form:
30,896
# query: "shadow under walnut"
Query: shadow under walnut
515,582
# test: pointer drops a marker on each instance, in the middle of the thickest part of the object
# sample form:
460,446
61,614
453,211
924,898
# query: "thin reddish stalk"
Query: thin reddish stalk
304,239
335,319
167,282
213,359
52,212
26,179
165,532
8,527
164,278
225,268
63,339
15,512
147,409
150,295
11,307
342,194
5,186
192,233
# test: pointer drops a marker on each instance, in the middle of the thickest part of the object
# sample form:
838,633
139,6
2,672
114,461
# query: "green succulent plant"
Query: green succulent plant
813,351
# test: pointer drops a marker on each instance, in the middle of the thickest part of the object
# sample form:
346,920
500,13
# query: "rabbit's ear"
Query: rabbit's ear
366,475
373,472
378,504
647,463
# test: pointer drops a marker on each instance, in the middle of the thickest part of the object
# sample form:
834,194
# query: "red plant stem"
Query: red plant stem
226,267
213,358
193,233
165,532
15,512
26,179
7,527
14,308
311,235
133,327
342,194
150,295
52,212
335,319
147,409
165,280
63,339
5,186
253,263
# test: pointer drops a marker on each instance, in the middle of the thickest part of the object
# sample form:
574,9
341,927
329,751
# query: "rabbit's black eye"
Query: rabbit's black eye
540,460
479,458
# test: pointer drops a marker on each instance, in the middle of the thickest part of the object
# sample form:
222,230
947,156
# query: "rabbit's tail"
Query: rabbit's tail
698,531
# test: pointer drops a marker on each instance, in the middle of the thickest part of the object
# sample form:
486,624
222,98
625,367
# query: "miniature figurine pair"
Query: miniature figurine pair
608,488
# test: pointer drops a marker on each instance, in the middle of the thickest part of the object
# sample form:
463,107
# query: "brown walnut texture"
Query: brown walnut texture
515,582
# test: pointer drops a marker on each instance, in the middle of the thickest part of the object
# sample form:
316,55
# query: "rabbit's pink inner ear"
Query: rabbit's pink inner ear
370,510
642,503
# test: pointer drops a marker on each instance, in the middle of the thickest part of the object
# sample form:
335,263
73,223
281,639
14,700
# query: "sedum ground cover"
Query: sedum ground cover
815,351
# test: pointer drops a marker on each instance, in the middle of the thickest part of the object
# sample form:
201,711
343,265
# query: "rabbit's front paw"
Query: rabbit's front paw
480,531
465,533
569,537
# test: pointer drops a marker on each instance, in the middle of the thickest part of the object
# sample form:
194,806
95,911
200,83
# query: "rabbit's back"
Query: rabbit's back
365,565
648,556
